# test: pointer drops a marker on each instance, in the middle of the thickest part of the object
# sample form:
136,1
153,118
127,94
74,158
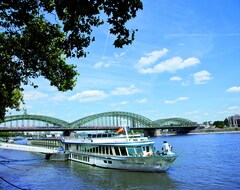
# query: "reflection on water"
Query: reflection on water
118,179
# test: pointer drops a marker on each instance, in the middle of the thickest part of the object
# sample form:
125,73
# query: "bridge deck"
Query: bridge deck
27,148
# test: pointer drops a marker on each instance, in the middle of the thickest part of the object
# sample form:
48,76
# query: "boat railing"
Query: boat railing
76,139
138,139
90,139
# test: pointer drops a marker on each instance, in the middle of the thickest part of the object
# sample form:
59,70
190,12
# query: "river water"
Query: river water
206,161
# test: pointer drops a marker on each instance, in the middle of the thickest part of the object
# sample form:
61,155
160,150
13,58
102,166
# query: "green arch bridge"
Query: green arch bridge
101,121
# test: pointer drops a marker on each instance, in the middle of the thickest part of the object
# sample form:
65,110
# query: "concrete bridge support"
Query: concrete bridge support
152,132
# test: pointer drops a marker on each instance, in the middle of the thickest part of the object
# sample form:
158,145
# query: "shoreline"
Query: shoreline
212,132
205,131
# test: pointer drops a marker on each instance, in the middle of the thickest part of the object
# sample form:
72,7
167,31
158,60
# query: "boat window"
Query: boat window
98,135
83,149
111,151
131,151
107,152
117,151
101,150
73,147
144,148
138,150
97,150
123,151
148,149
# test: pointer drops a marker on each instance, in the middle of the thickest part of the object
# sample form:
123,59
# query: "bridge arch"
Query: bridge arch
47,119
114,119
105,119
177,121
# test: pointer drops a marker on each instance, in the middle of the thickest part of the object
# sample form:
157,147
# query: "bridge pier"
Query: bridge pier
152,132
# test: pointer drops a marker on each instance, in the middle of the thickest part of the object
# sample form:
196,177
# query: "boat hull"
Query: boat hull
156,163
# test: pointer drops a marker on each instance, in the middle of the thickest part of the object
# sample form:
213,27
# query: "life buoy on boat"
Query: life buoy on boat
149,154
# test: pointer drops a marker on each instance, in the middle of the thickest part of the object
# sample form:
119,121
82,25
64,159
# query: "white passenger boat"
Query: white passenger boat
125,152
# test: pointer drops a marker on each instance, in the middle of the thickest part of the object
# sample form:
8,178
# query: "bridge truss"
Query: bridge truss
101,120
174,122
33,121
114,119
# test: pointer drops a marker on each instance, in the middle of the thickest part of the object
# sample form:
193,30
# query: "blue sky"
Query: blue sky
184,62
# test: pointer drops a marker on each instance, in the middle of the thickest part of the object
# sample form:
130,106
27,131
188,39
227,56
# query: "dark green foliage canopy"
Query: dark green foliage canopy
219,124
33,44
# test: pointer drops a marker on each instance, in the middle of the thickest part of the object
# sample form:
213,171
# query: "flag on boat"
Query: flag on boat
119,129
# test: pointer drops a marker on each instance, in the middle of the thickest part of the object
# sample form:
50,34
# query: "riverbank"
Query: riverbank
215,130
205,131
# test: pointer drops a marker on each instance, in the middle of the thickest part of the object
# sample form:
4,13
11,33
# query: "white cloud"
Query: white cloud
169,65
89,96
102,64
234,108
234,89
96,95
183,98
201,77
120,103
34,95
125,90
169,101
117,55
175,78
123,102
191,113
230,110
174,64
141,101
152,57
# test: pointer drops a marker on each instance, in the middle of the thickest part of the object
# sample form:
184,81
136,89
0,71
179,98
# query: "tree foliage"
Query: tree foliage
226,123
219,124
36,37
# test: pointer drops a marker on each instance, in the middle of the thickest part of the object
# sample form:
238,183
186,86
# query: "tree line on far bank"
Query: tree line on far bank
218,124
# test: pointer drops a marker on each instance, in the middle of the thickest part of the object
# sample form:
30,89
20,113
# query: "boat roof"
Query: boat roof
125,143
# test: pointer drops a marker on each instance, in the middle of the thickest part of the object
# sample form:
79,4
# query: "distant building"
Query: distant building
234,121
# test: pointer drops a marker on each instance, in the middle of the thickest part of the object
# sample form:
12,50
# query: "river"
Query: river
206,162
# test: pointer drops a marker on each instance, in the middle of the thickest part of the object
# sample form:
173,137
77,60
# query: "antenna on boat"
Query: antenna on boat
125,128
